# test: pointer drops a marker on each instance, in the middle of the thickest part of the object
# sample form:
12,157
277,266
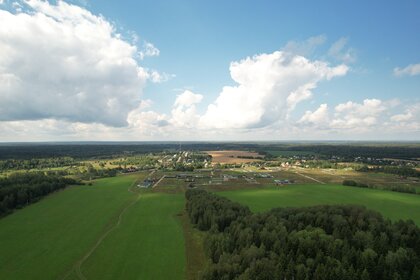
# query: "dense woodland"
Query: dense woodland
36,163
401,171
85,150
21,189
351,151
321,242
395,188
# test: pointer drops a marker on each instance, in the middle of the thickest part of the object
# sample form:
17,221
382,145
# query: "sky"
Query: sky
237,70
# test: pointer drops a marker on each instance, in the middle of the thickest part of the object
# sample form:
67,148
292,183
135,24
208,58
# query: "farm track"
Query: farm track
158,182
311,178
77,268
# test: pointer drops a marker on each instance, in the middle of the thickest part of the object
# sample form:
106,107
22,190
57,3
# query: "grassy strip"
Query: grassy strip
43,240
391,204
196,259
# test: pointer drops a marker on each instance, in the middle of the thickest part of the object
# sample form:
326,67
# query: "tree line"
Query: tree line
319,242
404,171
349,151
395,188
20,189
36,163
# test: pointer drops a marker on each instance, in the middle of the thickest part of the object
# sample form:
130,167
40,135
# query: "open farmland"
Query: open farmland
57,237
232,156
114,229
391,204
149,243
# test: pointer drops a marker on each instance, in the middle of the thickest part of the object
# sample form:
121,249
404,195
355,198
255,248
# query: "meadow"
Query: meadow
391,204
113,229
80,229
148,244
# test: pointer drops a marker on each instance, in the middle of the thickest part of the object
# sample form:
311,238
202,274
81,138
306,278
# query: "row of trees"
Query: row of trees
21,189
36,163
397,170
349,151
321,242
398,188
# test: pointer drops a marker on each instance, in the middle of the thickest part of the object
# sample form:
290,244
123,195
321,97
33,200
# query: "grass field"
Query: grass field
149,243
391,204
48,239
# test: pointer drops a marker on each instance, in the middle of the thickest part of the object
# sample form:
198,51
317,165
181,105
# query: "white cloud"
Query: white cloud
187,98
157,77
269,86
148,50
306,47
184,113
369,120
358,116
402,117
63,62
410,70
339,51
411,113
318,118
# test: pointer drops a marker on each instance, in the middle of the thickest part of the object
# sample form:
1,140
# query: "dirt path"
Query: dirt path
160,180
77,268
313,179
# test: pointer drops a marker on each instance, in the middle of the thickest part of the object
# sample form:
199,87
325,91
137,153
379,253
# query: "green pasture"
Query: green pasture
148,244
47,239
392,205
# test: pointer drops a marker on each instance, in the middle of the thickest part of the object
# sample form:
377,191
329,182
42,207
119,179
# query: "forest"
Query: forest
319,242
21,189
350,151
84,150
36,163
396,188
397,170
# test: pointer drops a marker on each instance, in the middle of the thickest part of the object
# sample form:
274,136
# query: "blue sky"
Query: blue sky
198,39
366,88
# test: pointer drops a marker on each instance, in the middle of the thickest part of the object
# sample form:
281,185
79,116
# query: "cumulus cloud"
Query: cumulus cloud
359,116
319,117
411,113
269,86
410,70
184,112
352,120
63,62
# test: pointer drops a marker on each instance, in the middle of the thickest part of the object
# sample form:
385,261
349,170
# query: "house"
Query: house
147,183
281,182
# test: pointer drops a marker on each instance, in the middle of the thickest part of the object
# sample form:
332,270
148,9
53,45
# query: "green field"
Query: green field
391,204
149,244
112,231
48,239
